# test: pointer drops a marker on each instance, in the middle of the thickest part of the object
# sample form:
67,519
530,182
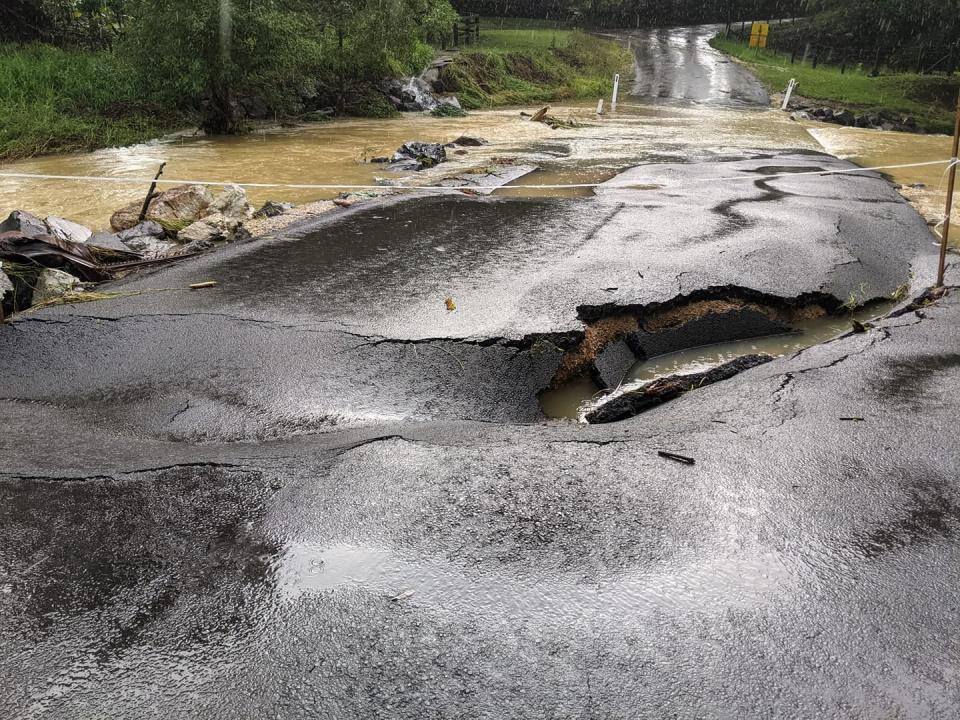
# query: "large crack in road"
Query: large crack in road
316,491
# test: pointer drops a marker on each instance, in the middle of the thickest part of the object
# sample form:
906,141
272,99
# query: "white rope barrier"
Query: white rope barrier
434,188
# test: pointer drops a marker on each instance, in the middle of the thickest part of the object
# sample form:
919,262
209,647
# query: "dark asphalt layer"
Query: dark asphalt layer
313,492
678,64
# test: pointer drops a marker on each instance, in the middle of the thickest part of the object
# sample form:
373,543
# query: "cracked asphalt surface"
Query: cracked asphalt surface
313,492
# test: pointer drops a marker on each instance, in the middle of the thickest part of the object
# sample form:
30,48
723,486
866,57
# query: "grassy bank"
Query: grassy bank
927,98
58,101
54,100
533,64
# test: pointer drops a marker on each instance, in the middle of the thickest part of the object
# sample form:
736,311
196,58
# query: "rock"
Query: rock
845,117
196,246
470,141
798,116
25,223
53,284
273,209
181,205
109,244
199,232
149,239
640,398
67,230
919,186
232,204
6,288
380,160
424,155
147,228
824,113
450,101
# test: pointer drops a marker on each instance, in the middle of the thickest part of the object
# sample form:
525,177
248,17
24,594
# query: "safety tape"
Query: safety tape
433,188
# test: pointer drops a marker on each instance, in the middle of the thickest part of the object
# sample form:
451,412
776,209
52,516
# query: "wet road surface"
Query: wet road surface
678,64
313,492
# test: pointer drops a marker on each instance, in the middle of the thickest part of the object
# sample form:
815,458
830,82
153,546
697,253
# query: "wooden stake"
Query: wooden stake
951,184
153,189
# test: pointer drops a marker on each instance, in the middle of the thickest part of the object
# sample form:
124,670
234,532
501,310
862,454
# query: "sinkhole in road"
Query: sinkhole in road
628,353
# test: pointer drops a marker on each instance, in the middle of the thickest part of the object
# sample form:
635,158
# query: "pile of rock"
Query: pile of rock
874,121
417,156
47,259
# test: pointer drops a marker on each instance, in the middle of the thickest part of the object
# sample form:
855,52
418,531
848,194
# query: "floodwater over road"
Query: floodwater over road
335,153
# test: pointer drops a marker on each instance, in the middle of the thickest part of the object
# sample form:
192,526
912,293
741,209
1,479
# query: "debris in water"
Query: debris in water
204,285
451,305
853,419
402,596
683,459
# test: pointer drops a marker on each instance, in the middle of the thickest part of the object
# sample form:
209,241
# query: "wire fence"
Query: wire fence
879,58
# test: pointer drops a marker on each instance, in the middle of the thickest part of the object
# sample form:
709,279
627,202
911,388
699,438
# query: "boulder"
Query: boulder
149,239
196,246
424,155
470,141
24,223
52,284
108,244
273,209
67,230
450,101
232,203
199,232
801,115
181,205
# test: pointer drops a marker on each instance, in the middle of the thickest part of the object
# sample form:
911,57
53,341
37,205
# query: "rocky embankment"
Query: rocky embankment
45,261
52,260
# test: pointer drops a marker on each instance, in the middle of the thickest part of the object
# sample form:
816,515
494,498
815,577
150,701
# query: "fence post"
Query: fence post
951,184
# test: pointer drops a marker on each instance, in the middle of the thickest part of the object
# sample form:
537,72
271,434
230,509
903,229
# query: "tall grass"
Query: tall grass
929,99
55,100
530,65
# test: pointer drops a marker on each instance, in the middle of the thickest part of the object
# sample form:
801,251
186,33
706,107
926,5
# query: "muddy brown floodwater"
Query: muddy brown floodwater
335,153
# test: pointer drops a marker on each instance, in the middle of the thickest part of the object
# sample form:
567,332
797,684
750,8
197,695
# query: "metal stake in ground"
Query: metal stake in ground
153,189
945,237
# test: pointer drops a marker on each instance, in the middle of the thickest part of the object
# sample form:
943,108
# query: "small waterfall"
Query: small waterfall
417,92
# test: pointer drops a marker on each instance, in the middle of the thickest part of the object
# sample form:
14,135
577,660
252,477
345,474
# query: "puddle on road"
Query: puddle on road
567,402
691,585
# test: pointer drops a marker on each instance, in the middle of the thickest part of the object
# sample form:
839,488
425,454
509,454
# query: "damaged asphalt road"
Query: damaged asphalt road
316,492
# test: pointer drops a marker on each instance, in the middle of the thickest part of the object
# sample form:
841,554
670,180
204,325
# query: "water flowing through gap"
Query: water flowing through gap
573,399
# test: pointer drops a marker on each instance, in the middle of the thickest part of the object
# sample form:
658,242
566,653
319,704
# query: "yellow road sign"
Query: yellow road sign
759,33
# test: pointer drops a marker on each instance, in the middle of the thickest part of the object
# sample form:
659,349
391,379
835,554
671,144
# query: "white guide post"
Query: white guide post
791,86
616,91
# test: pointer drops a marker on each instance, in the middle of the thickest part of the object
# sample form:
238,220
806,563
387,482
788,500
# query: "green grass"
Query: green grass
530,65
58,101
926,98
